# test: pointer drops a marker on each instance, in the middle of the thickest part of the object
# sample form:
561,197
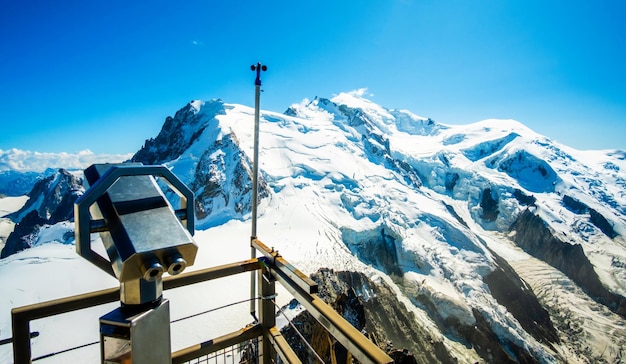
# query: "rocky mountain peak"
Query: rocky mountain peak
180,132
53,197
483,242
222,182
50,201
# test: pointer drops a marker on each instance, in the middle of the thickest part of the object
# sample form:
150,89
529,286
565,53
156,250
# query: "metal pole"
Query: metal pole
255,177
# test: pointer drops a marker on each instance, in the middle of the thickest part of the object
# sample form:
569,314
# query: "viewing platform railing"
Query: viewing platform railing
270,268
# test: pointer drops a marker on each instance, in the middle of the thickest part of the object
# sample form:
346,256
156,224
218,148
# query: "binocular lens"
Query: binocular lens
152,271
176,265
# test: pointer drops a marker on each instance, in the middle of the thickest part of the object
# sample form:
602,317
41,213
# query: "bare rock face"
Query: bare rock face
374,309
22,236
179,132
514,294
13,183
221,173
595,217
489,206
223,181
534,236
50,201
371,308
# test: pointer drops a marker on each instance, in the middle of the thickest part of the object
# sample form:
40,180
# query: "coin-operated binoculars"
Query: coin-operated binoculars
143,237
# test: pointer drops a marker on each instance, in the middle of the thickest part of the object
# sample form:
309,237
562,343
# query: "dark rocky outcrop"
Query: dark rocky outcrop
23,234
402,357
14,183
50,201
491,348
602,223
523,198
372,308
535,237
574,205
595,217
479,336
453,212
514,294
223,181
489,206
375,309
179,132
53,197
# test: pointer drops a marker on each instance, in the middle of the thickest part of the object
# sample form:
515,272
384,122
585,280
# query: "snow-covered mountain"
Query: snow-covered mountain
497,243
209,158
14,183
20,169
50,202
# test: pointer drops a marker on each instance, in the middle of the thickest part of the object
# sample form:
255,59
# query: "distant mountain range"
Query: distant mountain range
20,169
471,243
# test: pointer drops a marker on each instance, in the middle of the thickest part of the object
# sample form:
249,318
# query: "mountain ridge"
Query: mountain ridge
438,212
489,175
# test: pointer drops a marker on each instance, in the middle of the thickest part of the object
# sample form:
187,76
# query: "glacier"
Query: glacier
487,229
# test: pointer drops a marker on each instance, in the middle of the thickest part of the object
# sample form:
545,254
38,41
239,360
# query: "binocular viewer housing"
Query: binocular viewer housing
141,232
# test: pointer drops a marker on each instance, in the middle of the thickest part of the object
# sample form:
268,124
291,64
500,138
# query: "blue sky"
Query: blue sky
103,75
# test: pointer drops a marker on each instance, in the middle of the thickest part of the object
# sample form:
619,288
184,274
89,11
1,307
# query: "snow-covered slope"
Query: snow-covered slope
50,202
503,244
7,206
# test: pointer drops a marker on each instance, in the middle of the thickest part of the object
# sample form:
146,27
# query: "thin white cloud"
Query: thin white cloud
29,161
361,92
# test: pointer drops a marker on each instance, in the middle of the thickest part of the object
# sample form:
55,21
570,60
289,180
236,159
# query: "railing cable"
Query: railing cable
306,343
65,351
46,356
214,309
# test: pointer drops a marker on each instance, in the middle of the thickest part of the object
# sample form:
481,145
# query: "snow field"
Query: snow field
336,196
7,206
53,270
596,329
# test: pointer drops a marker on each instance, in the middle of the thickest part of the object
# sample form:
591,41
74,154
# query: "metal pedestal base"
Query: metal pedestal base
129,336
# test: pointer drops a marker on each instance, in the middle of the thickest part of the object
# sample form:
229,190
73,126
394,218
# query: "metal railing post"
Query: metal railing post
22,316
21,339
271,268
267,312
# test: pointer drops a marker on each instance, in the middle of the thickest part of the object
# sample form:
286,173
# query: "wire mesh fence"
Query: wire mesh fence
242,353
